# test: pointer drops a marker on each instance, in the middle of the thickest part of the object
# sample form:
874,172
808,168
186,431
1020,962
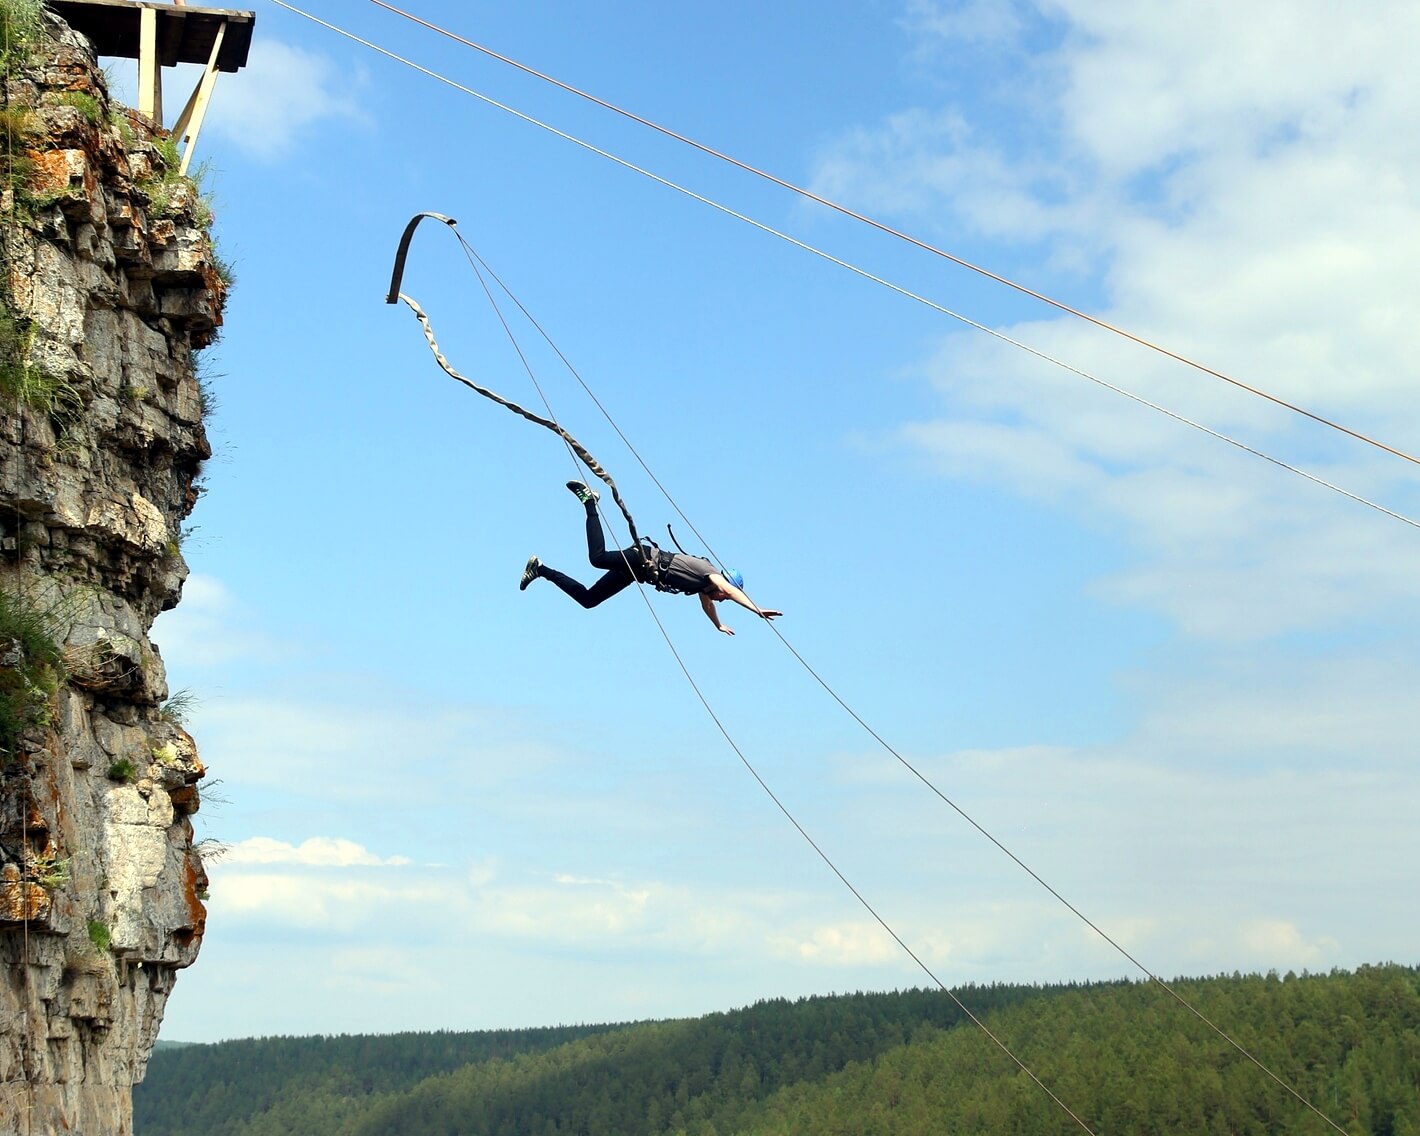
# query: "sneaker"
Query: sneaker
530,572
583,493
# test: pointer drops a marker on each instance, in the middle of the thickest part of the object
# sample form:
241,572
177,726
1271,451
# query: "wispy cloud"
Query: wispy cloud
853,944
963,21
1226,200
210,628
372,752
269,107
1242,178
317,851
285,93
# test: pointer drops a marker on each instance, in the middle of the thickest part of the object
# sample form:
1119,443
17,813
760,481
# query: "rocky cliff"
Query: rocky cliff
110,287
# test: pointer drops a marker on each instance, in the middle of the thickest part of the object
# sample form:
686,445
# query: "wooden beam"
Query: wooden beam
189,122
150,73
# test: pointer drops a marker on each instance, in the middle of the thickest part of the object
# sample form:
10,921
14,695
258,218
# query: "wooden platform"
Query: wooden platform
185,34
164,35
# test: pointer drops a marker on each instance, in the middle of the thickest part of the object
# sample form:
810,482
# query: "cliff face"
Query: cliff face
110,286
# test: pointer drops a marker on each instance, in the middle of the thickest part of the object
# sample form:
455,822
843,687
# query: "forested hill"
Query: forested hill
1126,1057
312,1085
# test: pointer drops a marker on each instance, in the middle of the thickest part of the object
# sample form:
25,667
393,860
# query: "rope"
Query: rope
882,227
858,271
590,462
572,444
475,262
587,390
1154,978
989,331
822,855
480,267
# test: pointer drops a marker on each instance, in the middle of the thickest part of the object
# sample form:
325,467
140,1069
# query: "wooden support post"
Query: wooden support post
150,70
189,122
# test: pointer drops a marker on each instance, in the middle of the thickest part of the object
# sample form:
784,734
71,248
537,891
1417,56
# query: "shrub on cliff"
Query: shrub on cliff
30,666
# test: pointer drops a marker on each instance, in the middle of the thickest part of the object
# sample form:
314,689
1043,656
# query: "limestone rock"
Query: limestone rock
109,286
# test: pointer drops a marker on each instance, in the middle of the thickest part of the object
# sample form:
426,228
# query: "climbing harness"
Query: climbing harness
395,295
655,563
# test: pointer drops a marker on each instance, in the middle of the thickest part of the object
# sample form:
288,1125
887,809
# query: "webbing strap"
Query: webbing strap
590,462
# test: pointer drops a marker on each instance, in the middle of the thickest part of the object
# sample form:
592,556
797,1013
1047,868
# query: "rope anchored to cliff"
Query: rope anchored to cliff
395,295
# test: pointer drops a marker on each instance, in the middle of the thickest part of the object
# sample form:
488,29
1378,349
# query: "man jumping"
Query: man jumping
673,572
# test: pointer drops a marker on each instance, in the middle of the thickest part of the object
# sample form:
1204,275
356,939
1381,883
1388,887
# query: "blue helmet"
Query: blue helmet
735,578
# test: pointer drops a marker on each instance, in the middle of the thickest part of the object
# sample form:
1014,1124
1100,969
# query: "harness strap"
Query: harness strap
653,563
577,447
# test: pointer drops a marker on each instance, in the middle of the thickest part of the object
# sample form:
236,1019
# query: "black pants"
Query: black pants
620,567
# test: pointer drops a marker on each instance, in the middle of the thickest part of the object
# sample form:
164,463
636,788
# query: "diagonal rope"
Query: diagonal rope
480,268
479,271
469,251
898,234
877,737
587,459
1085,919
862,272
550,423
822,855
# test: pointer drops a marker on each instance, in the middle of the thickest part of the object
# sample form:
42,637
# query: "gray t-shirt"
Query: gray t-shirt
688,574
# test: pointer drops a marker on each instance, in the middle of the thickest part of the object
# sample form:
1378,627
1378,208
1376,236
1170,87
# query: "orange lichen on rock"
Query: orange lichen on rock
194,887
57,173
21,900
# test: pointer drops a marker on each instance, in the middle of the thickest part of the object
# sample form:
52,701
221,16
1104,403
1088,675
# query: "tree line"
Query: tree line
1123,1056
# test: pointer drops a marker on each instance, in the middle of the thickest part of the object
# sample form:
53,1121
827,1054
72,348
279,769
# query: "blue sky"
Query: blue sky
1174,679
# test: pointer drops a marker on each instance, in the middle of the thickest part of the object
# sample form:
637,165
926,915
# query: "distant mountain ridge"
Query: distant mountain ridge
1123,1055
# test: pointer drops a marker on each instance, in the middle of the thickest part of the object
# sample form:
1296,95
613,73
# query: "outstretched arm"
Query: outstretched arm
729,591
708,606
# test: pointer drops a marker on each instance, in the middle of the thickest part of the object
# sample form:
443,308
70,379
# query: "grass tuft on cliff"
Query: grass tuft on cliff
31,665
21,28
22,383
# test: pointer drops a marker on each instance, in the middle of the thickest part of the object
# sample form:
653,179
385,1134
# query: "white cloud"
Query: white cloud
378,750
852,944
268,107
1246,182
963,21
328,883
318,851
483,872
339,884
209,628
645,914
1278,944
1152,80
338,905
575,910
1239,806
379,972
279,98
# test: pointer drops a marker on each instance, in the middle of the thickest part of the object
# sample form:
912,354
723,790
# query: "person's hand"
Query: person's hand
767,614
727,630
